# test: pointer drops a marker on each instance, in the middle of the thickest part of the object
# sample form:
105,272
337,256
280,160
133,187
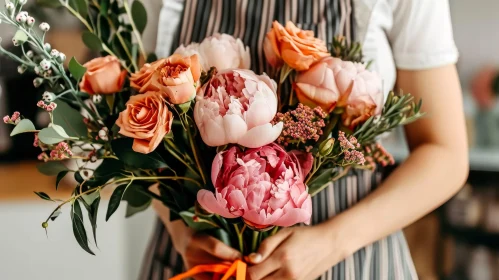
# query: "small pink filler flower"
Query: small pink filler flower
264,186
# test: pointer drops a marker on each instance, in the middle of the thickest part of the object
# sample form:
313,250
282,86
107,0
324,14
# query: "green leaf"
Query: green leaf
92,209
104,7
78,228
82,6
55,215
130,210
103,28
123,150
76,69
69,119
135,196
52,135
51,168
199,225
90,198
23,126
221,235
110,102
49,3
44,196
115,200
60,176
20,37
139,15
92,41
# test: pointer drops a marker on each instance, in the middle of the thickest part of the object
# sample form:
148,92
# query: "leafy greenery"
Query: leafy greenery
123,150
115,201
78,228
23,126
69,119
92,41
76,69
60,176
51,168
139,15
43,196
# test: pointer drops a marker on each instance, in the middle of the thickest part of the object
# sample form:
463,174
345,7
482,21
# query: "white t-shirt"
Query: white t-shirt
396,34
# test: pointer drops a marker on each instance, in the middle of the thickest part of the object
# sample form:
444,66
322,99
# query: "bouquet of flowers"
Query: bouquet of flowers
234,153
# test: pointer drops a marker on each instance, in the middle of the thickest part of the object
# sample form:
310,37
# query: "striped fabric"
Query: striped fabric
249,20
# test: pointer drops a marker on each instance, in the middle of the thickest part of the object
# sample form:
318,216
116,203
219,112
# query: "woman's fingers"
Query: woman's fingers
264,269
215,247
268,246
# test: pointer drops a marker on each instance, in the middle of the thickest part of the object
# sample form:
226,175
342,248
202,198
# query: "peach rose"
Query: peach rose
145,119
297,48
103,76
176,78
333,83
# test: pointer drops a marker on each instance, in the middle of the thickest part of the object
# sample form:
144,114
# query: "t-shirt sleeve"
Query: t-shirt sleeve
421,35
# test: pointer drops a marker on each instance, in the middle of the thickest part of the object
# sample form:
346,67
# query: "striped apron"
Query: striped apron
249,20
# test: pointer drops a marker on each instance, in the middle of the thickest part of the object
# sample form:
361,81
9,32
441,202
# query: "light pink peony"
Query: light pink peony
333,83
221,51
237,106
264,186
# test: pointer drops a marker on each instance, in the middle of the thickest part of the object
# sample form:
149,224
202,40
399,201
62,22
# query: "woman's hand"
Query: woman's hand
194,248
297,253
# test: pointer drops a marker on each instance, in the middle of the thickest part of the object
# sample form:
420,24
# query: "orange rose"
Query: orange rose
175,78
103,76
145,119
297,48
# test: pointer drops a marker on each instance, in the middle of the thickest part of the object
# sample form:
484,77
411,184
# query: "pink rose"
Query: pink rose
147,120
264,186
237,106
221,51
103,76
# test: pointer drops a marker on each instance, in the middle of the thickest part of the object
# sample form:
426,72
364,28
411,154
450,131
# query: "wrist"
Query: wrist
342,235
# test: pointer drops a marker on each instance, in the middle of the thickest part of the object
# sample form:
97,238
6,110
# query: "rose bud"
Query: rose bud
103,76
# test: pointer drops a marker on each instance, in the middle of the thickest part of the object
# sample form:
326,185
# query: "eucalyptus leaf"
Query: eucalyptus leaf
82,6
55,215
23,126
103,28
115,200
91,197
69,119
93,209
51,168
43,195
135,196
139,15
91,41
60,130
78,228
123,150
76,69
104,7
60,176
51,136
130,210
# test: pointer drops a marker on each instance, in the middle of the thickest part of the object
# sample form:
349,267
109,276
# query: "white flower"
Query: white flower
22,2
61,58
21,69
97,98
45,27
45,64
54,53
29,54
22,17
48,96
47,47
30,21
10,7
221,51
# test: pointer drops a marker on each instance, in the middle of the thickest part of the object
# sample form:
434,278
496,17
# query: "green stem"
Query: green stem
274,231
254,243
135,31
195,152
340,175
239,238
175,155
77,15
329,128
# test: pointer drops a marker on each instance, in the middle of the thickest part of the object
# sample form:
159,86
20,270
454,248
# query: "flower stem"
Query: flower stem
254,243
195,152
239,237
340,175
135,31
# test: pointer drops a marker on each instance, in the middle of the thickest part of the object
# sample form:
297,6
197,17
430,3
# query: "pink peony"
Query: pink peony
237,106
335,83
264,186
221,51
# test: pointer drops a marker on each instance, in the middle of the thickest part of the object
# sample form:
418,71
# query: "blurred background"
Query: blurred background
460,240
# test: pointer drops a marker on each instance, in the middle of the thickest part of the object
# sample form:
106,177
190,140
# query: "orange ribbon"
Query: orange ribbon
237,268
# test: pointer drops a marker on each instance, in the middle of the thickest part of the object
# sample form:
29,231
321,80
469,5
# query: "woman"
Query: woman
357,219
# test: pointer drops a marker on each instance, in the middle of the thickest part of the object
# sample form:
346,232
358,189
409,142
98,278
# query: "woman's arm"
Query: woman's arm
435,170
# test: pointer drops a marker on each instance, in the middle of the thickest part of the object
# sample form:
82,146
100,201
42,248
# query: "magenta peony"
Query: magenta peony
263,186
237,106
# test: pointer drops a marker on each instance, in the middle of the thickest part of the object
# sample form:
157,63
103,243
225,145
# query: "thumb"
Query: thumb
268,246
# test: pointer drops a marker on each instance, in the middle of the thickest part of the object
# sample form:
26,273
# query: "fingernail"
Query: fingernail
255,257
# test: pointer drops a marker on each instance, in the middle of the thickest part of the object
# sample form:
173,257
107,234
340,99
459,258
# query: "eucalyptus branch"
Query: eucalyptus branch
71,200
335,178
76,14
135,31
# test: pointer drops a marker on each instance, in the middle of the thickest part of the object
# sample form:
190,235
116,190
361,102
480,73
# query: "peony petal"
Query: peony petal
237,200
293,217
211,204
311,96
235,128
260,112
261,135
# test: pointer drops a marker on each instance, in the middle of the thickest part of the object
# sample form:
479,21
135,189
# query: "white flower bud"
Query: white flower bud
30,54
9,7
48,96
103,135
21,17
30,21
37,82
45,27
47,74
97,98
22,68
47,47
15,42
54,53
22,2
45,64
38,71
61,58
